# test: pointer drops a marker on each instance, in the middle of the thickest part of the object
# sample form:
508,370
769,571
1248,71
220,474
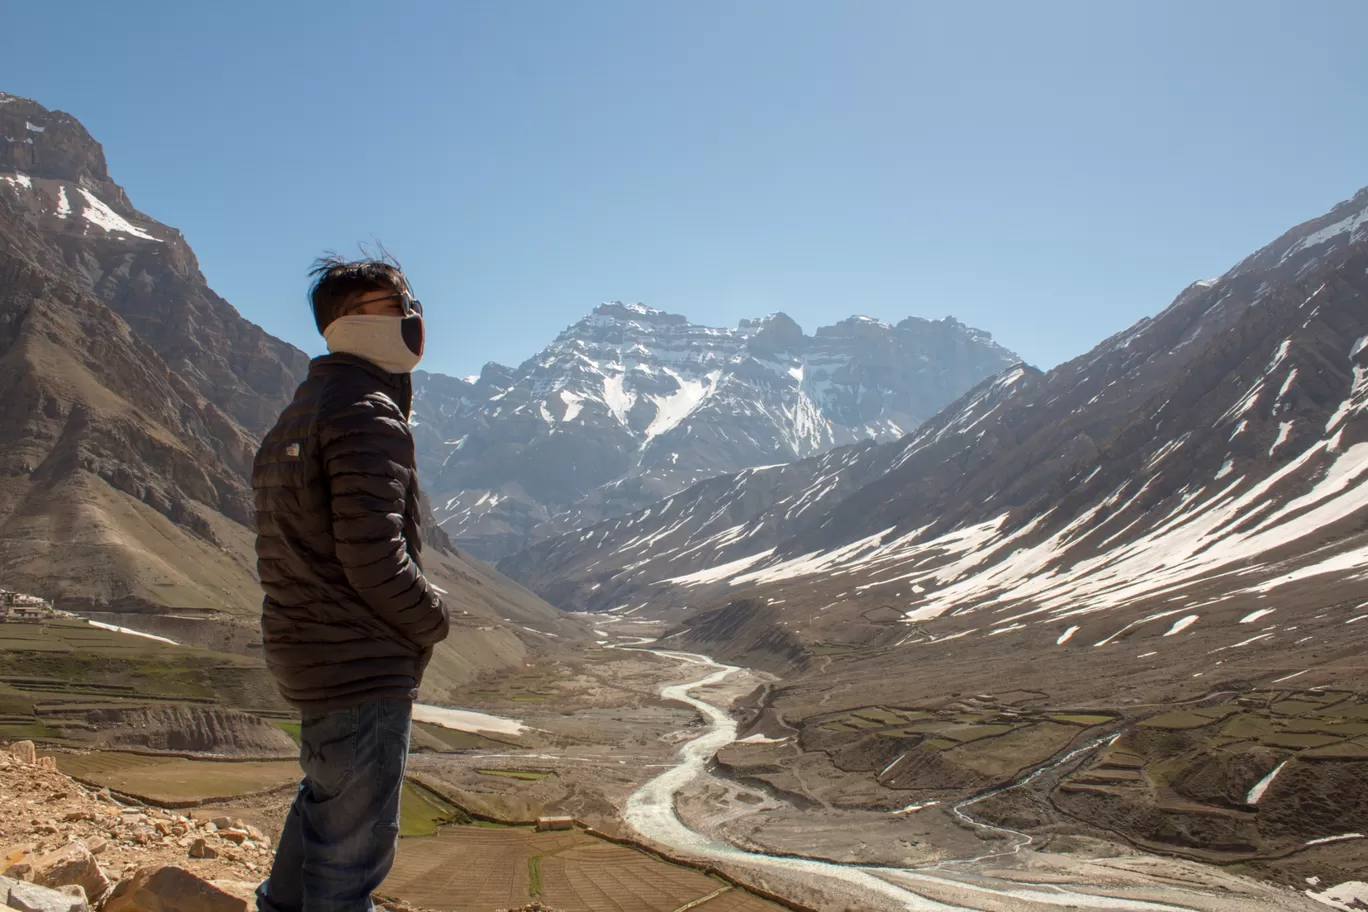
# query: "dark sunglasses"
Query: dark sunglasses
410,305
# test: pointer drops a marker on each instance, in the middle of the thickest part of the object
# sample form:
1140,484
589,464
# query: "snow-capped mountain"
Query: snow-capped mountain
1161,547
132,398
1214,455
631,404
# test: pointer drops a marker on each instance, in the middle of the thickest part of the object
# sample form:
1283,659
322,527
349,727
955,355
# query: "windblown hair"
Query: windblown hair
337,282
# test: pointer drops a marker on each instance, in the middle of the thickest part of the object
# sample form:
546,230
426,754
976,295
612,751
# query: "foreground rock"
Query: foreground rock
71,865
27,897
55,831
169,888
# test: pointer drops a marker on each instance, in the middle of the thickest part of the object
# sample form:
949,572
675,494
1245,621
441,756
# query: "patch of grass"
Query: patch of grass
1296,707
1247,725
1351,711
525,775
1084,719
1299,740
861,724
534,884
896,733
456,740
963,734
829,649
880,716
1178,720
176,778
422,811
1005,755
1347,750
14,703
1349,729
289,728
29,731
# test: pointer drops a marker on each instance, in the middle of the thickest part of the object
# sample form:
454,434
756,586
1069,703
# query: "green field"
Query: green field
1084,719
1310,725
525,775
476,869
52,674
422,811
457,740
174,779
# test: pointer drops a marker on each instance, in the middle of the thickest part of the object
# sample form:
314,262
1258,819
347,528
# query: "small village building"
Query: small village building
17,606
555,823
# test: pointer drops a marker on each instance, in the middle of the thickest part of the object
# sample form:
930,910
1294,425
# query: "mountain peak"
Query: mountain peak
632,403
776,332
50,144
635,311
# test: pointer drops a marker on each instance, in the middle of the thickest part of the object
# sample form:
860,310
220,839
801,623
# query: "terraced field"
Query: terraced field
967,743
1267,774
475,869
176,780
54,673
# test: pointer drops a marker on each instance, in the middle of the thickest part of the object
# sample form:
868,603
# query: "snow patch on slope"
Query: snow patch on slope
97,213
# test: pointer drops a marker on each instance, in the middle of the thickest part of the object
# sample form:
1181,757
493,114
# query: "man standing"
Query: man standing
349,621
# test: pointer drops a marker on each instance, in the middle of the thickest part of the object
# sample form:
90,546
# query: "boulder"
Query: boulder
27,897
233,834
239,888
71,864
46,762
15,862
25,751
201,849
171,889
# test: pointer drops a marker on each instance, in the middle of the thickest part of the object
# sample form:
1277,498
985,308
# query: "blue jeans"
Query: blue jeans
339,838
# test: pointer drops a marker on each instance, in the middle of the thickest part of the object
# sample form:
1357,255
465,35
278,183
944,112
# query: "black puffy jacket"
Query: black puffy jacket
348,614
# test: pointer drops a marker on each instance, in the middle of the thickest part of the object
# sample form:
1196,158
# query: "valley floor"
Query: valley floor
697,760
617,725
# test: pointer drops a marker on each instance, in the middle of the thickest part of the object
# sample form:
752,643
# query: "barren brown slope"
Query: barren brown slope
130,400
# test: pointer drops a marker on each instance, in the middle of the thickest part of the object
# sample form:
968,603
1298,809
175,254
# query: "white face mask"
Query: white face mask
394,344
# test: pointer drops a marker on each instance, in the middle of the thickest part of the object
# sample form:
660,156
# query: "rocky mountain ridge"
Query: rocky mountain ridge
131,401
1157,551
1227,432
632,403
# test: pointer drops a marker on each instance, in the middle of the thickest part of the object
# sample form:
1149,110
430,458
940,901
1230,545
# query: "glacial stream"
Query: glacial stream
651,811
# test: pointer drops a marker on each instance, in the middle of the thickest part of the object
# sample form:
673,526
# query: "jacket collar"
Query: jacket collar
399,386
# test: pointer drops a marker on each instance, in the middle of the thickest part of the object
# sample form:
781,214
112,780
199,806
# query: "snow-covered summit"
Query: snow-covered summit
633,402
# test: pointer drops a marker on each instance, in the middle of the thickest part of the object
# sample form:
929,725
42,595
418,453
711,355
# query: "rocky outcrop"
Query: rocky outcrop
190,729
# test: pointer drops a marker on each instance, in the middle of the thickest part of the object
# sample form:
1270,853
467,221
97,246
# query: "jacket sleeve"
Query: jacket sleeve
366,451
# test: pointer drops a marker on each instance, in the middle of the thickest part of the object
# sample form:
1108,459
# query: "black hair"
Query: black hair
337,281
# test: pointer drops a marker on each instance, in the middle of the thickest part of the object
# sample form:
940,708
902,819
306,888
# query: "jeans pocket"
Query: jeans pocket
328,750
395,717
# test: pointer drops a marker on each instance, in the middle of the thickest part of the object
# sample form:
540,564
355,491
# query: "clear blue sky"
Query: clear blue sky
1047,171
